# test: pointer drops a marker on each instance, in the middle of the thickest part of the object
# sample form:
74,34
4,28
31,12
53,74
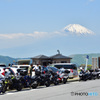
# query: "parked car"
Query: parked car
54,69
2,71
25,67
13,71
21,66
16,71
69,66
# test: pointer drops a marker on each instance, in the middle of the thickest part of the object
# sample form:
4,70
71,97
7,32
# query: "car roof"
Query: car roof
52,67
20,65
62,64
15,68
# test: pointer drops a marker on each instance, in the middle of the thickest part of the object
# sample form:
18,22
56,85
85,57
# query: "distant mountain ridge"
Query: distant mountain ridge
76,58
81,58
6,59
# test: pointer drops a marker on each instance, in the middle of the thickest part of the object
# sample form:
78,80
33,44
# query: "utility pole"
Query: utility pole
87,57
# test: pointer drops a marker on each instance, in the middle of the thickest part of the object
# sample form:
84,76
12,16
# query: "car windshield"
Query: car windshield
54,69
24,67
44,68
66,66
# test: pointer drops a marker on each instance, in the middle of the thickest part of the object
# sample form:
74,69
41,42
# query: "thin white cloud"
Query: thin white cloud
36,34
73,28
11,36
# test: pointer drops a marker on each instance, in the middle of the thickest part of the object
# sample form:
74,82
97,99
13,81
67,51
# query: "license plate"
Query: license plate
0,85
80,75
35,82
0,82
65,76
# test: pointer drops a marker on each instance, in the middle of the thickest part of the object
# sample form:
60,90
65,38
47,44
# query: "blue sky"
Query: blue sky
32,27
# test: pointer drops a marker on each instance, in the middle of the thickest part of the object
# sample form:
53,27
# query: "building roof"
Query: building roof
60,56
40,57
57,56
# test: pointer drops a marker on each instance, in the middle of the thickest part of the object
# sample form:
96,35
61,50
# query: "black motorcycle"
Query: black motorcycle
41,78
84,76
54,78
98,73
26,80
13,82
93,74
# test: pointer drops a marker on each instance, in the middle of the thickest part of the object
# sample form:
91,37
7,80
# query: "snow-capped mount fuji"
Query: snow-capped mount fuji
78,29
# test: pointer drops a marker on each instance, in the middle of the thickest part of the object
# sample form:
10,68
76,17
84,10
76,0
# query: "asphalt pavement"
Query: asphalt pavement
75,90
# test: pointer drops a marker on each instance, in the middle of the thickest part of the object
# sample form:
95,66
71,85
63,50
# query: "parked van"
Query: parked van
69,66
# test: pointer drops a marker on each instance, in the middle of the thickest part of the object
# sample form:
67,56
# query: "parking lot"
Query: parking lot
72,90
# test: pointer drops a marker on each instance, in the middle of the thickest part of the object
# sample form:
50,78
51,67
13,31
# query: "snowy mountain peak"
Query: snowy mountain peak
78,29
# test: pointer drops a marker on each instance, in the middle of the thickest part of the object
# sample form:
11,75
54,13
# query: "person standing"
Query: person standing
37,67
30,69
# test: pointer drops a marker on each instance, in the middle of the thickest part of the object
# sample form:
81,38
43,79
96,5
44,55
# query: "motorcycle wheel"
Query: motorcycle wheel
19,87
34,86
98,77
47,83
84,79
56,82
3,90
64,80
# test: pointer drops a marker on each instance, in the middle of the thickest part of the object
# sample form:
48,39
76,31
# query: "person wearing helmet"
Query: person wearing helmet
7,72
82,70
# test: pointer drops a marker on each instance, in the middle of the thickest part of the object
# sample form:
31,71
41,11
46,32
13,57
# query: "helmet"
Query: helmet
81,68
6,70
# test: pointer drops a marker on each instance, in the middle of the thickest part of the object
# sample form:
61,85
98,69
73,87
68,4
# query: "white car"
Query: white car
13,71
21,66
2,71
25,67
16,71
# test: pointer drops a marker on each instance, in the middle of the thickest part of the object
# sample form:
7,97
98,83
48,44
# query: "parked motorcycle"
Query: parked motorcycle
87,75
26,80
54,78
41,78
83,76
13,82
63,76
93,74
98,73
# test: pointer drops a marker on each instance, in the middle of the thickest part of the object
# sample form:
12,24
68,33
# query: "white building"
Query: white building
94,62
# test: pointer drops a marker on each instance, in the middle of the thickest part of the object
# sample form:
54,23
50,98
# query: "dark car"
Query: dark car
54,69
69,66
